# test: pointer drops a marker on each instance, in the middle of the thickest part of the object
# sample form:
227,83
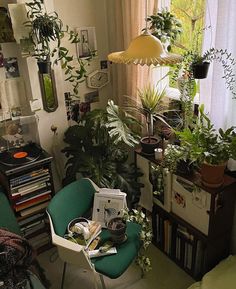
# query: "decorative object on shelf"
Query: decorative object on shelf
145,236
165,26
145,49
158,154
48,89
209,148
98,79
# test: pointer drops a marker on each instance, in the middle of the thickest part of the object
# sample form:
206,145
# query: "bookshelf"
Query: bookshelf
29,189
191,223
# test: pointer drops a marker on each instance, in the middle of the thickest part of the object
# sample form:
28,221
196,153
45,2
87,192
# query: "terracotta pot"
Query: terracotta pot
148,145
200,70
212,175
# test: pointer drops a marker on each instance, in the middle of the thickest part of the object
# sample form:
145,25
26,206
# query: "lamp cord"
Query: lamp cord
146,29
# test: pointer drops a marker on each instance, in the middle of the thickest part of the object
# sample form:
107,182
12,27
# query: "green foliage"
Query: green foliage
47,30
150,106
165,26
145,236
96,149
204,144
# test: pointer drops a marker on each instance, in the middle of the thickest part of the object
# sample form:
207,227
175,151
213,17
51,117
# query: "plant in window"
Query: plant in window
165,26
151,107
209,148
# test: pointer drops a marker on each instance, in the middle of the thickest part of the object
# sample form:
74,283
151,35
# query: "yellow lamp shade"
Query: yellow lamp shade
145,49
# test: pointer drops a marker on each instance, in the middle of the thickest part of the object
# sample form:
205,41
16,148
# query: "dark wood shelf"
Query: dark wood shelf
191,246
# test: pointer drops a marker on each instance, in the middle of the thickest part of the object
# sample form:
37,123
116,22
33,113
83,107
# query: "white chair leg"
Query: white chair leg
102,281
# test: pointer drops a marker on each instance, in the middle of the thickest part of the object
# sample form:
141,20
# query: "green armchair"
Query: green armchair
76,200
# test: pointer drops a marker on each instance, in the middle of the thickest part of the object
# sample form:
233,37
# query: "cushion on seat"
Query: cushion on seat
7,217
223,276
69,203
114,265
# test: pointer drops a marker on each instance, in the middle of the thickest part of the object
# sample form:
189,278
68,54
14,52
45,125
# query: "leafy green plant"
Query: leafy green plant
46,32
165,26
97,148
205,144
150,106
139,217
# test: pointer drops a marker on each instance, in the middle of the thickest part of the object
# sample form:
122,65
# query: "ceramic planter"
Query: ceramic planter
212,175
117,229
200,70
44,67
149,144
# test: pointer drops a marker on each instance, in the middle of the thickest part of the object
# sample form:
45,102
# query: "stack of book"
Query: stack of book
30,192
35,228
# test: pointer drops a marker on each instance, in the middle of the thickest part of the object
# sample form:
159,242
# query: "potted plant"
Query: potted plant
45,29
46,32
209,148
151,107
165,26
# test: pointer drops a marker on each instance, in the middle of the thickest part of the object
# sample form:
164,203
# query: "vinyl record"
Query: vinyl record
20,156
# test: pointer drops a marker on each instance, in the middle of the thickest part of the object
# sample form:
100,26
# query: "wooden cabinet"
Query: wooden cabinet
191,223
29,187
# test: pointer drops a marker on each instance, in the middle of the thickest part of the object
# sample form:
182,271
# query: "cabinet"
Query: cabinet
192,225
29,187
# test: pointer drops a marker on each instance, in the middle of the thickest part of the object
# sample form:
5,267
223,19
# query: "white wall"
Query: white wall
91,13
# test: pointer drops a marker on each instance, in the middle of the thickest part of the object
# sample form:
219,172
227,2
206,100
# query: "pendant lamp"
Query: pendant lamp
145,49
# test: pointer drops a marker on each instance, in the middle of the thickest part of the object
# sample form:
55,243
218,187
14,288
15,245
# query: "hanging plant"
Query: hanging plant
46,32
139,217
165,26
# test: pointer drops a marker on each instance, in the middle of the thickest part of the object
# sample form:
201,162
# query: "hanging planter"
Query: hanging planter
44,67
200,70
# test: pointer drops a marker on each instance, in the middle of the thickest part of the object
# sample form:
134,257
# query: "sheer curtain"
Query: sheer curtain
126,19
218,100
220,15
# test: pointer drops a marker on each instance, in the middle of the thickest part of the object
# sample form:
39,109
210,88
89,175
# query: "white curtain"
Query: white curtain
218,100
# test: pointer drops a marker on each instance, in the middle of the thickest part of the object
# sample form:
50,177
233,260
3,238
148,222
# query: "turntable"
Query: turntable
17,158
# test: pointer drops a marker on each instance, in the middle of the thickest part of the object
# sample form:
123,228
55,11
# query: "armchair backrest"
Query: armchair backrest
7,216
72,201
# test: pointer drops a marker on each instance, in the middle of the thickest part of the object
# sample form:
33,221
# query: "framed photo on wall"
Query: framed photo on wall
87,46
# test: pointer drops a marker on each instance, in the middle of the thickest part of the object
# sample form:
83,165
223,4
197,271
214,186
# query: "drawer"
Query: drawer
191,203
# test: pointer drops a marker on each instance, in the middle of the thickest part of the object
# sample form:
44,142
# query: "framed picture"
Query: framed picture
108,206
87,46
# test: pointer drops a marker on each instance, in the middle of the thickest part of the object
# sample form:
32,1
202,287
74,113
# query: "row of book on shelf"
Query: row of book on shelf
30,192
180,244
36,229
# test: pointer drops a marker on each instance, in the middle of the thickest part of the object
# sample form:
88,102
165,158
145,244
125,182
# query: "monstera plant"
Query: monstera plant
97,147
